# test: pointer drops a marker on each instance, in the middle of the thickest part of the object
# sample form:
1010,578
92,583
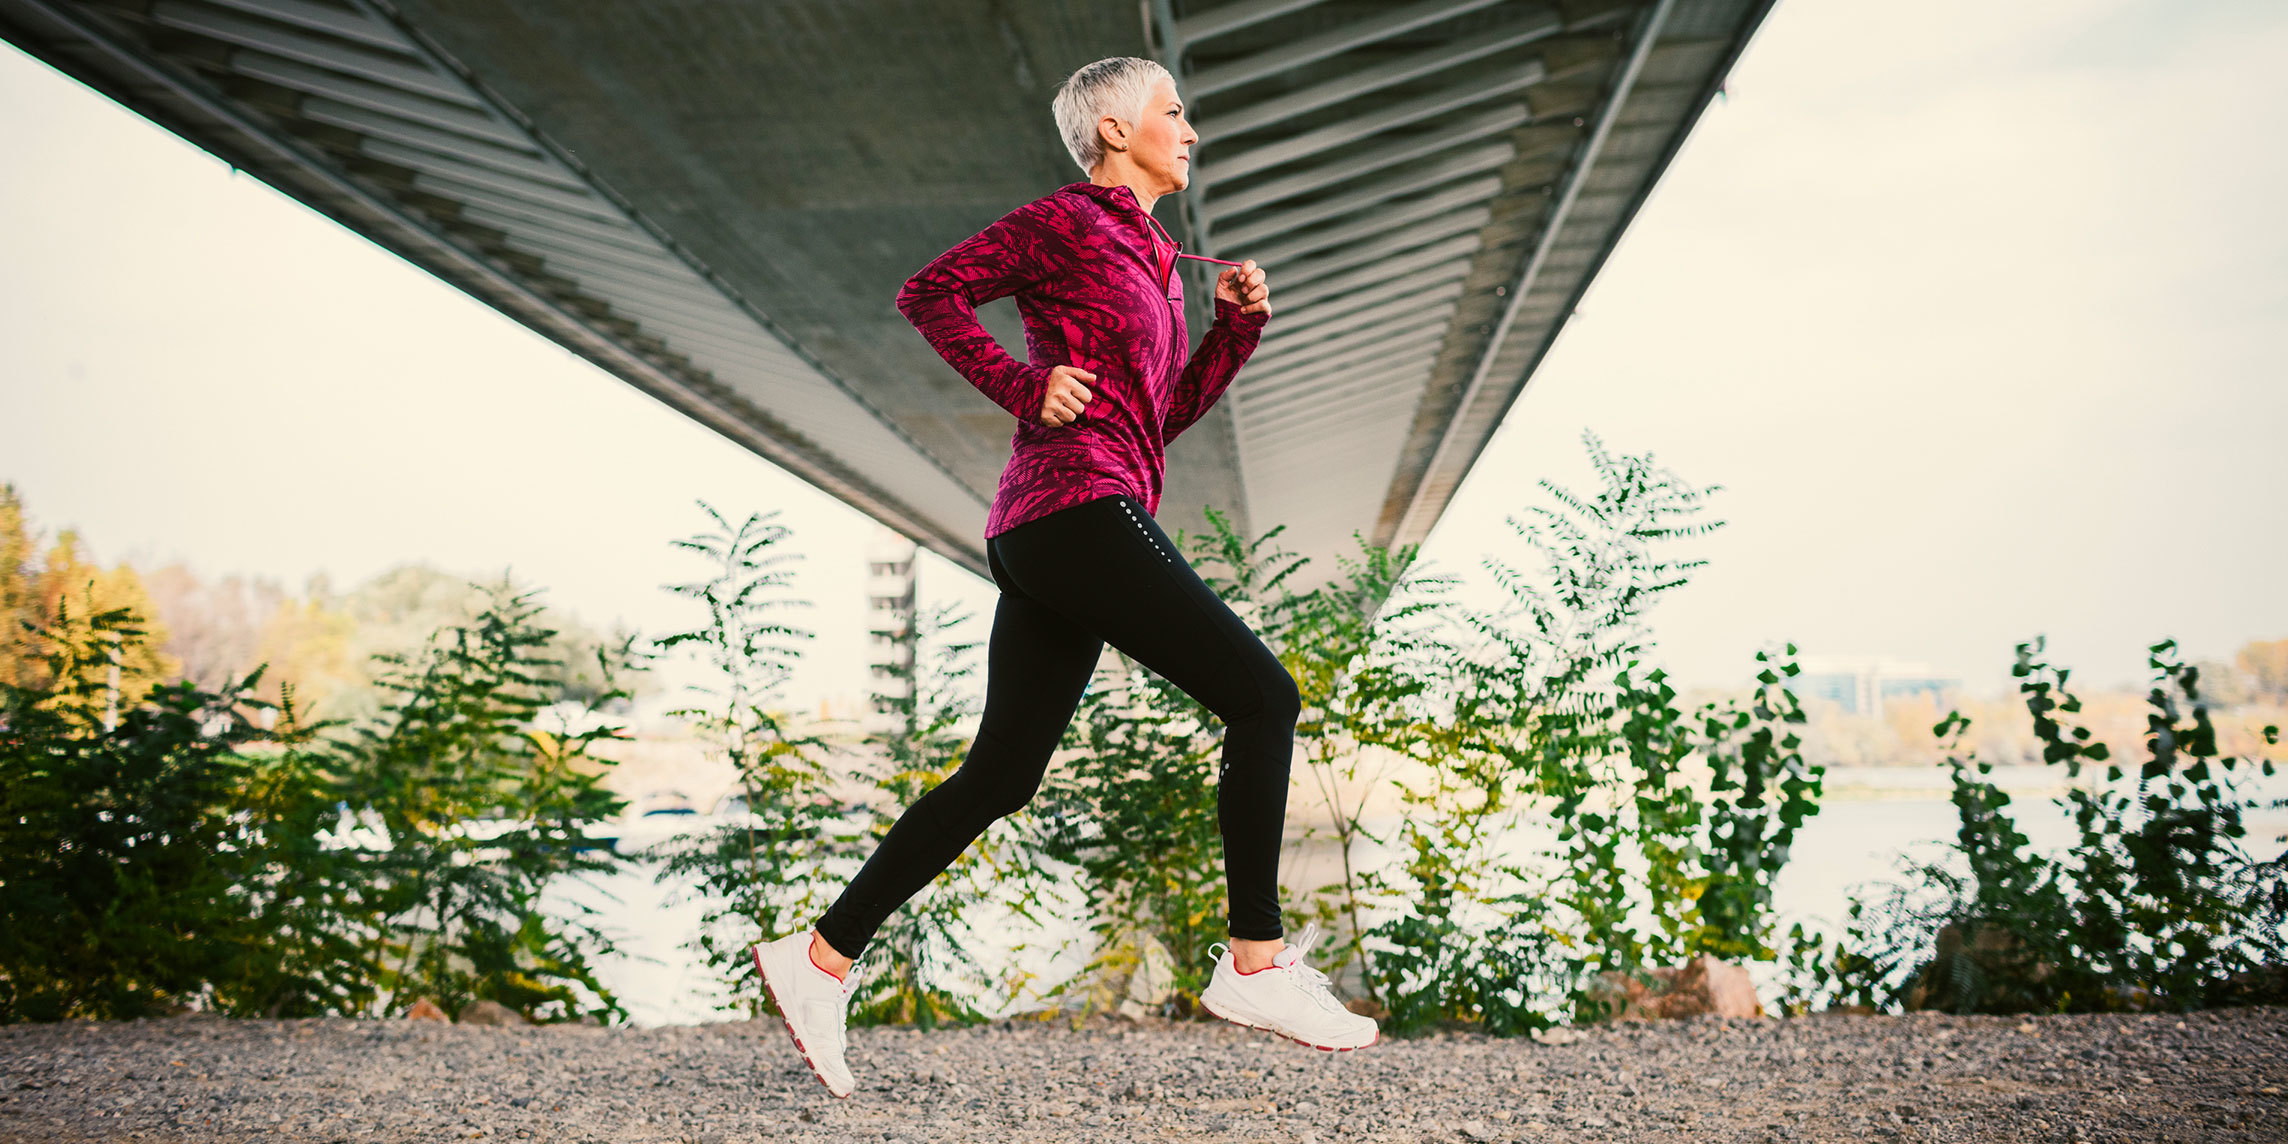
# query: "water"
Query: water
1872,816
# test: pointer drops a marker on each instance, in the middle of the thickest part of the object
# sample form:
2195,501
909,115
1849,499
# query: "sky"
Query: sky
1975,312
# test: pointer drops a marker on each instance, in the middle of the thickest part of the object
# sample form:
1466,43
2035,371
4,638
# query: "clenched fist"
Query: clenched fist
1243,285
1067,396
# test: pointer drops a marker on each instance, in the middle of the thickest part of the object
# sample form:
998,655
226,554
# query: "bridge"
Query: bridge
717,201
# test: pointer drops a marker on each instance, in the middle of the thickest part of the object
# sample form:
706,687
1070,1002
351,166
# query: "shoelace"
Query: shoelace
1306,978
850,981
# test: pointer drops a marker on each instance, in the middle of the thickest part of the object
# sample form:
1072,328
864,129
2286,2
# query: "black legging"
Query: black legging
1070,582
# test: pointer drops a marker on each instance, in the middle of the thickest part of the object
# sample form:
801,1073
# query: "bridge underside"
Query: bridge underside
717,202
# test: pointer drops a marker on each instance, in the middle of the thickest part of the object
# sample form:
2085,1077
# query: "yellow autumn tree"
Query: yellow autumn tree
307,645
61,588
2265,662
16,575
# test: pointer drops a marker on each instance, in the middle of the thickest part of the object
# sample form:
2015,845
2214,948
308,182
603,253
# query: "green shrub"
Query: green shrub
925,970
162,853
480,801
1132,810
1550,719
2157,904
761,874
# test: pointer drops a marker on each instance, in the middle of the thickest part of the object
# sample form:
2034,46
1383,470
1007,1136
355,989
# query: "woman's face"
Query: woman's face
1161,145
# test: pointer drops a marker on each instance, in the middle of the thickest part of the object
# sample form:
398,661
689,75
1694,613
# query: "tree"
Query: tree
759,874
18,573
2266,664
2157,904
165,852
484,799
925,969
1552,718
35,588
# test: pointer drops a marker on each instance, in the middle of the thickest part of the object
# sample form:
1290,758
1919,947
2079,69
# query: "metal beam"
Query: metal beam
1335,446
1386,118
1391,242
1232,17
1465,130
1392,311
508,161
1290,384
324,18
1440,278
545,237
1374,376
1366,195
1607,114
1310,49
504,212
1370,223
321,83
393,68
462,179
1400,390
1240,120
1454,250
1381,336
1325,374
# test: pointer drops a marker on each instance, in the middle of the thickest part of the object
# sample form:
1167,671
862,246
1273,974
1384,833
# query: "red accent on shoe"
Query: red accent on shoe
1251,972
813,952
800,1049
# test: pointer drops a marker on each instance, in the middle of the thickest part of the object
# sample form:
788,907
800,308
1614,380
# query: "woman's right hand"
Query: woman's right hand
1067,396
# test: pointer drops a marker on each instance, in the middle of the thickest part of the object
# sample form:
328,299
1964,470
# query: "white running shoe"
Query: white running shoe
1288,998
814,1005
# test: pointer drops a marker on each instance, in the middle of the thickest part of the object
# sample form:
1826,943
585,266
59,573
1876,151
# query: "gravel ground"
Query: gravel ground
2209,1076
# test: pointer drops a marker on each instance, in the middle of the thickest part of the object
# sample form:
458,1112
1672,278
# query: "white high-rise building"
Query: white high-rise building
1860,684
890,627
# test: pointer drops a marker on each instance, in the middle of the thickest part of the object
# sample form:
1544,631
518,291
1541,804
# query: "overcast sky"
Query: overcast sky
1976,310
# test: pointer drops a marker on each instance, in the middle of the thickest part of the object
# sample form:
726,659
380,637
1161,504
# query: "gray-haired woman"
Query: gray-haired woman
1071,543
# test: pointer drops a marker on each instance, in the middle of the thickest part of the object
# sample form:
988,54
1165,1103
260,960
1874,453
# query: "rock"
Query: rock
427,1010
491,1013
1555,1036
1703,987
1997,960
1477,1130
1155,974
1366,1007
2263,985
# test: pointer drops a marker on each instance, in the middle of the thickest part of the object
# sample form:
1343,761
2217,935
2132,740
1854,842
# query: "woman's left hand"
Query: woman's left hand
1243,285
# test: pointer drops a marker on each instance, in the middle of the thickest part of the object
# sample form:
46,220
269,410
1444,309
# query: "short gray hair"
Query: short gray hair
1117,87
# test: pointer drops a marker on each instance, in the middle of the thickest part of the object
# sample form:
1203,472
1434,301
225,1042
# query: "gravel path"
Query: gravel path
2210,1077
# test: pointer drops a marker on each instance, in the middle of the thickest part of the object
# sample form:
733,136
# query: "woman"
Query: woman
1071,543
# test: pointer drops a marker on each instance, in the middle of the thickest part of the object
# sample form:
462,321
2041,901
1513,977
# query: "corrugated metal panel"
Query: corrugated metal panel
1432,185
1412,177
482,186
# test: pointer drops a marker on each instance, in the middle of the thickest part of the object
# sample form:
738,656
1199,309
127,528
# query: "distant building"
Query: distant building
1861,685
889,627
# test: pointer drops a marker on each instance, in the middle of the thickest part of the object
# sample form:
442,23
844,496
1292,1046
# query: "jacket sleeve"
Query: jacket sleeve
941,301
1225,348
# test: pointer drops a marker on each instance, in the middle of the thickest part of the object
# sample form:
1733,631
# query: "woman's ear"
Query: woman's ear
1114,132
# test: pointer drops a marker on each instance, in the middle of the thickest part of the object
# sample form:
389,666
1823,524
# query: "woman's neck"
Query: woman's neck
1115,171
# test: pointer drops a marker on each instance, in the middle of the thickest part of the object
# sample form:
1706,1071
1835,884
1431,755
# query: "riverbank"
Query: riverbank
2209,1076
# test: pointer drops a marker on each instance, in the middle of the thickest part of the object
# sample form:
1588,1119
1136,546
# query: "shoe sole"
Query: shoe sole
1278,1032
800,1048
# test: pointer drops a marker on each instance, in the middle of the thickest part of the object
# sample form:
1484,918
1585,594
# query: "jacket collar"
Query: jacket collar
1120,198
1123,200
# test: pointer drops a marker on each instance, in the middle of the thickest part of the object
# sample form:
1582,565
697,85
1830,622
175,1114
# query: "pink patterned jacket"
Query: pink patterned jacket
1095,281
